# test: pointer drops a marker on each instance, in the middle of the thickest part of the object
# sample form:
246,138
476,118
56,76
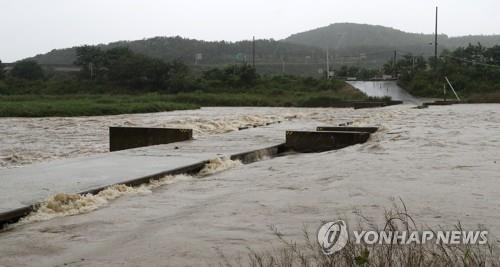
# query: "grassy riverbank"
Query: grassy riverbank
84,105
105,104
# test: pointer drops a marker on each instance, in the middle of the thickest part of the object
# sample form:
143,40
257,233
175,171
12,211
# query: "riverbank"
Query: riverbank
106,104
85,105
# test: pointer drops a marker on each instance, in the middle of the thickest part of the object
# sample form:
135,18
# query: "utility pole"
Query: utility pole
253,52
327,63
91,69
394,62
436,42
444,92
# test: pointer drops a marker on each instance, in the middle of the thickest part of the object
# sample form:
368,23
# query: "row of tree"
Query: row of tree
474,69
123,67
26,69
119,70
359,73
186,50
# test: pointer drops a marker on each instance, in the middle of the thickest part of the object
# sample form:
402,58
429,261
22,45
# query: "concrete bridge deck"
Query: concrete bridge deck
22,187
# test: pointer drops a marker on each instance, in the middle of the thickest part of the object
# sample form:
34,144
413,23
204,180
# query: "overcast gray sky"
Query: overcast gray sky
29,27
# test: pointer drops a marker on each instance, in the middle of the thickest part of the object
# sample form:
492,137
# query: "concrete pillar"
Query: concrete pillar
307,141
347,129
359,105
121,138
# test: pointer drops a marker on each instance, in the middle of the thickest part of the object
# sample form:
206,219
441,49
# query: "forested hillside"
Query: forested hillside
186,50
303,53
345,37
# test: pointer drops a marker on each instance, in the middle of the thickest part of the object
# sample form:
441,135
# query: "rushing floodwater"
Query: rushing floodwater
29,140
442,161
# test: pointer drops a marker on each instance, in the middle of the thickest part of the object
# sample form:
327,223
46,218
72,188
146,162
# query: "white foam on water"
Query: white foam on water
264,154
34,140
62,204
303,189
204,126
218,165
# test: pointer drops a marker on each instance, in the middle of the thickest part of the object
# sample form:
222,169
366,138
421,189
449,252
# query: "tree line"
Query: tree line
120,70
472,70
121,66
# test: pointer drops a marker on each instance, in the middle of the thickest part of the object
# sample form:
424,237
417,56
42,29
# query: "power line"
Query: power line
436,42
472,61
253,52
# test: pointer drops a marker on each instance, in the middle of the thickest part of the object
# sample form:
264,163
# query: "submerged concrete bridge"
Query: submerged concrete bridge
385,88
24,188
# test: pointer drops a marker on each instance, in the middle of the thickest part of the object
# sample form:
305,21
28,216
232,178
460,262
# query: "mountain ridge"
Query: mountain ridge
350,43
334,35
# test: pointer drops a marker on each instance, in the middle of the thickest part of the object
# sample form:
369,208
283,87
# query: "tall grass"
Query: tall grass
485,98
89,105
308,253
94,105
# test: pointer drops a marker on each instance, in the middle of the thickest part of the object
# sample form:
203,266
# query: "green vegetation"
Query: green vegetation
93,105
308,252
2,71
27,70
328,94
379,42
474,72
85,105
121,67
119,81
269,54
359,73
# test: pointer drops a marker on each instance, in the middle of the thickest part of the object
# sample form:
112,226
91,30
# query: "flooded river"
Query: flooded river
30,140
443,162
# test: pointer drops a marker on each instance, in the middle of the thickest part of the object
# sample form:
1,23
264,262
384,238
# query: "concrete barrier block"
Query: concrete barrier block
121,138
441,103
307,141
259,154
360,105
347,129
394,102
346,123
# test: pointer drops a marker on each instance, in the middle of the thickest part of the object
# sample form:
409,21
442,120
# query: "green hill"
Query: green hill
352,39
177,48
301,53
